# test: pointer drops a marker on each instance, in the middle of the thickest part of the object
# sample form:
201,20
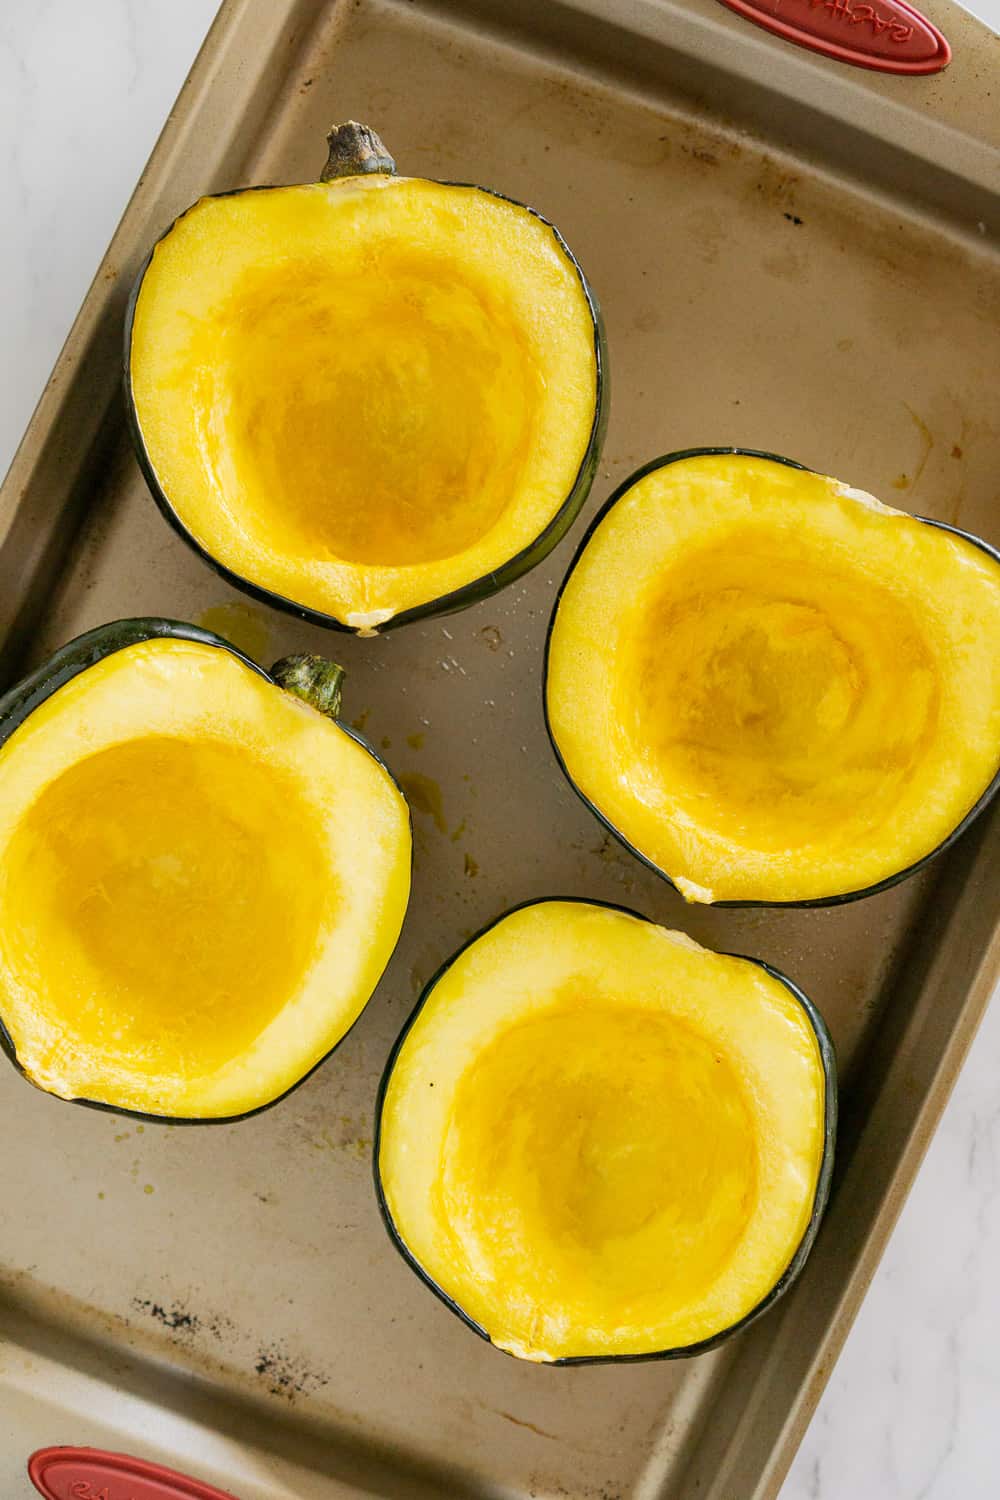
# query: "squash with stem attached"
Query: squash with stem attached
202,873
367,399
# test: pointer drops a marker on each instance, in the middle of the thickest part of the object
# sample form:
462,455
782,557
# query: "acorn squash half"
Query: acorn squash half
366,399
202,875
598,1140
772,687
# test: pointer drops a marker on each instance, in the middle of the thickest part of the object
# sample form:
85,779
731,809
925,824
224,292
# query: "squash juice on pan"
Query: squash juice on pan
370,398
598,1140
202,876
772,687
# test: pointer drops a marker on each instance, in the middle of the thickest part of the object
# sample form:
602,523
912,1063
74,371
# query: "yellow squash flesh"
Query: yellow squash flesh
201,880
364,394
775,688
600,1139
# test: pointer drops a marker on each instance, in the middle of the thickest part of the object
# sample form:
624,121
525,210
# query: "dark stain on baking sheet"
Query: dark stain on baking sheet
178,1319
175,1318
520,1422
284,1374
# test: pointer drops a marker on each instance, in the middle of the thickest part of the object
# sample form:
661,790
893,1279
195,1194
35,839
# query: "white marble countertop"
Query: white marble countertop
912,1410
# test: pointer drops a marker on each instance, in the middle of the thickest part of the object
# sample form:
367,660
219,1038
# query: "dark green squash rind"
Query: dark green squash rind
843,897
17,705
828,1061
469,593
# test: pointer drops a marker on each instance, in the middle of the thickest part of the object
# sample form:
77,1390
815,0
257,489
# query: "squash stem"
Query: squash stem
355,150
315,680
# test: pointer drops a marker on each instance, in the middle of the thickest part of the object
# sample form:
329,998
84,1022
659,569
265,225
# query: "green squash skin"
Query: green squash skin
828,1059
68,662
818,901
469,593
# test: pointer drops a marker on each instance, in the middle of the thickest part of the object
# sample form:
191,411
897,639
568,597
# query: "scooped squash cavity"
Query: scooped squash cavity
771,686
598,1140
201,875
367,398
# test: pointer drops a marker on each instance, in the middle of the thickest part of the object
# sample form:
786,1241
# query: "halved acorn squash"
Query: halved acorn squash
370,398
202,876
598,1140
772,687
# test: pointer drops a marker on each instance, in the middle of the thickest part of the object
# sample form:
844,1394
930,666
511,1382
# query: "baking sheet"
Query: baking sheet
237,1280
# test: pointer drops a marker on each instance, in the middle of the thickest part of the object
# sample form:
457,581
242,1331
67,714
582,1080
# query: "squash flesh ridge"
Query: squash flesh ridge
146,888
383,419
599,1156
772,700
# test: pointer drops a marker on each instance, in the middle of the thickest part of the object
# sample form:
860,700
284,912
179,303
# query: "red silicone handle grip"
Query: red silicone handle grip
90,1474
887,35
